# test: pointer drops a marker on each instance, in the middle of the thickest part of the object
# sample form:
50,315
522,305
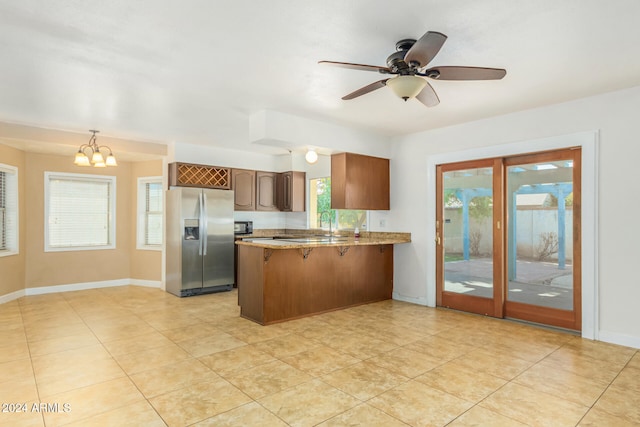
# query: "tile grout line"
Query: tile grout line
126,373
626,365
35,379
197,382
530,367
115,361
334,321
477,404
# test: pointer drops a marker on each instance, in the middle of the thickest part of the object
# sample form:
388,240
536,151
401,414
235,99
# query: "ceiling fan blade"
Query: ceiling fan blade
465,73
428,96
366,89
363,67
425,49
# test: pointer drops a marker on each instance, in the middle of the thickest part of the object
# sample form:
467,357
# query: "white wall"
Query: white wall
210,155
288,131
614,115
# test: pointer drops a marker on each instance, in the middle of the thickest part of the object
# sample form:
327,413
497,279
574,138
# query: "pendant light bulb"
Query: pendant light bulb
82,159
311,157
111,160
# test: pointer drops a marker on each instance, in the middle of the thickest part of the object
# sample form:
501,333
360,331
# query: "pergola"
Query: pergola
553,178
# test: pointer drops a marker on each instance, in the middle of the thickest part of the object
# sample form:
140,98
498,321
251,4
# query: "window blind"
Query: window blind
3,211
153,214
79,212
8,210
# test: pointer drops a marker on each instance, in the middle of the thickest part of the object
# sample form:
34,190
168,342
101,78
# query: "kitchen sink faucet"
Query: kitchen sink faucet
322,215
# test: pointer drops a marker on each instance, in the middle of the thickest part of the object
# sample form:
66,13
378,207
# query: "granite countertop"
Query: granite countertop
293,239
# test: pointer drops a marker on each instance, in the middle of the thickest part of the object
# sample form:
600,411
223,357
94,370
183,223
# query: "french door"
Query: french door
468,224
508,237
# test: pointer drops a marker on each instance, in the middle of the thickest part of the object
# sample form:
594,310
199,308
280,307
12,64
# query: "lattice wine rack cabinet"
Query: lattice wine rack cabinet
203,176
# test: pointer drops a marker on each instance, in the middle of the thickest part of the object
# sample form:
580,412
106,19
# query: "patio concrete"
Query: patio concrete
537,283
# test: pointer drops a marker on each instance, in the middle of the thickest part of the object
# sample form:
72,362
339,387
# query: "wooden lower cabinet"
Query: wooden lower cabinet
275,285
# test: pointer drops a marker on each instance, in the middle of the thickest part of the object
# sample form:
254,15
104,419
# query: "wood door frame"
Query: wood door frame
540,314
493,307
589,142
499,306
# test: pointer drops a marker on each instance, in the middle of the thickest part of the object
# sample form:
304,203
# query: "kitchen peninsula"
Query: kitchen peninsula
294,276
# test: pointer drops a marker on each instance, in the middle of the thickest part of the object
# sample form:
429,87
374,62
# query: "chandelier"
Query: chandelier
93,150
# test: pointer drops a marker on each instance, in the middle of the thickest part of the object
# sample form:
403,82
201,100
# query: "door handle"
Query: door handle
437,238
205,224
200,228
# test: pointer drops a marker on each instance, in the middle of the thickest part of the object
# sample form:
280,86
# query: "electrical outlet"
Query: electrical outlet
383,223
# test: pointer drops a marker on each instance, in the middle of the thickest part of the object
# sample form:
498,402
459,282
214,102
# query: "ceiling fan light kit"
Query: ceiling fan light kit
406,86
409,65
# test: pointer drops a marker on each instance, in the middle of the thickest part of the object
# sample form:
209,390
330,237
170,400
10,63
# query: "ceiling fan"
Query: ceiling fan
409,64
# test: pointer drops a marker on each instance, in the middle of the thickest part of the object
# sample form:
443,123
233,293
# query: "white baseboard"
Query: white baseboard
79,287
620,339
76,287
147,283
12,296
420,301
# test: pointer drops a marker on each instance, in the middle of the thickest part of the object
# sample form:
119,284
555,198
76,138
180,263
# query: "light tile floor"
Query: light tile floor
141,357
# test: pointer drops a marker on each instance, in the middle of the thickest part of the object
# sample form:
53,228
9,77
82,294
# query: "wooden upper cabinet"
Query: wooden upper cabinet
201,176
359,182
266,191
243,183
291,191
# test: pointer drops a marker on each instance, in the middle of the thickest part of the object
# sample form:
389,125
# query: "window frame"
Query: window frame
12,207
111,180
336,212
142,211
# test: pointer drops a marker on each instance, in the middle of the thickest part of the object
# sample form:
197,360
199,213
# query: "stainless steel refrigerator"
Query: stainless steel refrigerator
200,241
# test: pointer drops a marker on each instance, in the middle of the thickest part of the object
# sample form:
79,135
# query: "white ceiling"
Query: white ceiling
194,71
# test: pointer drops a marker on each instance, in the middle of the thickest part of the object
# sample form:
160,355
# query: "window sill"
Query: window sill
79,248
149,248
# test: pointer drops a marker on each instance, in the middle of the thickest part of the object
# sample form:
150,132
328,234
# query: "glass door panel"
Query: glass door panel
469,273
468,233
542,208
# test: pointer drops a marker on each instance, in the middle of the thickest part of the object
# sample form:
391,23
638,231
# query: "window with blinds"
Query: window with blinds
3,211
8,210
79,211
150,232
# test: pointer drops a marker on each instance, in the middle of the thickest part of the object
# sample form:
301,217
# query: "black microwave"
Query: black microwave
243,227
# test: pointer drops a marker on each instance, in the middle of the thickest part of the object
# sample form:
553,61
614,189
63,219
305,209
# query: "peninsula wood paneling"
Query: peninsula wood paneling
292,286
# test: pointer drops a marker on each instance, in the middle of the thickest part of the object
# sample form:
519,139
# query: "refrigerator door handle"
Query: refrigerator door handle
205,224
200,208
